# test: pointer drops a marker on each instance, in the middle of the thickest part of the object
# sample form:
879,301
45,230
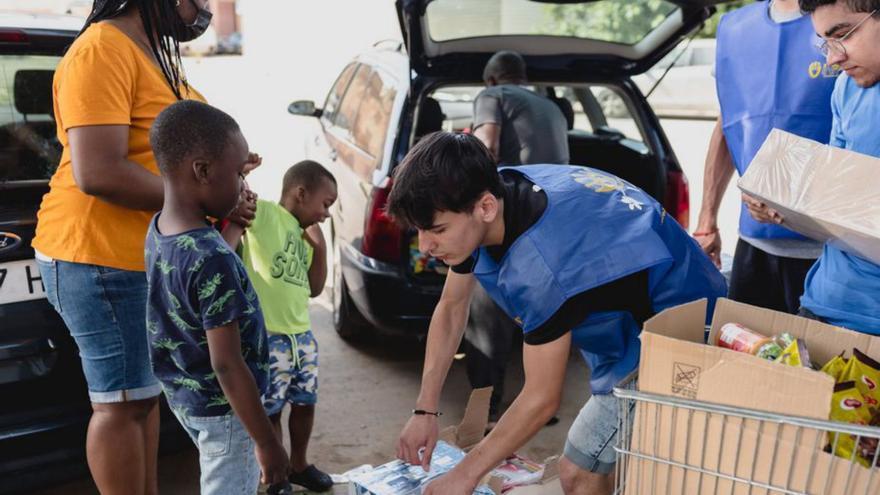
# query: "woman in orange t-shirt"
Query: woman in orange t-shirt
122,70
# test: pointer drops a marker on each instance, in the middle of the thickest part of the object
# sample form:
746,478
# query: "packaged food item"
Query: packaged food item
866,373
848,406
770,351
796,354
518,471
835,367
777,345
868,446
739,338
399,478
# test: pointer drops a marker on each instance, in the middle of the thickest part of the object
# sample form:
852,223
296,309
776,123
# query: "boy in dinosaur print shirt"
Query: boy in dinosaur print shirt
205,326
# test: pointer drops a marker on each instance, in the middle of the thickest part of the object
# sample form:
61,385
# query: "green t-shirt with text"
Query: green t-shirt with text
277,259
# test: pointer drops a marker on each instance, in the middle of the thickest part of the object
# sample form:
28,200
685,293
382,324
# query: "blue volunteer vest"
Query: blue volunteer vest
596,228
769,75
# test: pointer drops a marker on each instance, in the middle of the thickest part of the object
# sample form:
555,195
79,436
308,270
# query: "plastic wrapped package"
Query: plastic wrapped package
823,192
400,478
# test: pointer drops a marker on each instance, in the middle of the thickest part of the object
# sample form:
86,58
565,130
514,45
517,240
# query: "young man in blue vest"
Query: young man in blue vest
844,289
575,256
768,74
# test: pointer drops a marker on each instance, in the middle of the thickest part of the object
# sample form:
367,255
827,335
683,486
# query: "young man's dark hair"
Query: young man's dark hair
505,66
306,173
187,127
810,6
443,172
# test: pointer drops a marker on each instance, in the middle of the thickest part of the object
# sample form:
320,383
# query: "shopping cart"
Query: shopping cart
671,445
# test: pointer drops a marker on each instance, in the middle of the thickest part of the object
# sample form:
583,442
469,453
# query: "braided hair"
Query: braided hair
158,16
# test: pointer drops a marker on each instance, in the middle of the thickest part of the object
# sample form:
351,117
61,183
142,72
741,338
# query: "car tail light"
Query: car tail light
678,197
382,237
13,37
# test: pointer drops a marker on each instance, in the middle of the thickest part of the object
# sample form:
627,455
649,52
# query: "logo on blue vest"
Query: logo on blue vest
818,68
605,183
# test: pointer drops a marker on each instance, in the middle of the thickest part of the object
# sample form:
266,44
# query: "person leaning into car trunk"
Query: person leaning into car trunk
117,76
585,259
519,127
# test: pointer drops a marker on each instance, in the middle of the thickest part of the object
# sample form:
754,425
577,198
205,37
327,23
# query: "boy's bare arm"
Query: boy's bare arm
239,387
318,270
232,234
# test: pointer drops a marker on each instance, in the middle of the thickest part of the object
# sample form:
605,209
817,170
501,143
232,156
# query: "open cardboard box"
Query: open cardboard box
823,192
675,362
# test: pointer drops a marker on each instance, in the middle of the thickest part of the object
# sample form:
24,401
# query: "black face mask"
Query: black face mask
187,32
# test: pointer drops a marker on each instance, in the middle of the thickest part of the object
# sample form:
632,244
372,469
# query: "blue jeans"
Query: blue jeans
591,439
105,311
227,460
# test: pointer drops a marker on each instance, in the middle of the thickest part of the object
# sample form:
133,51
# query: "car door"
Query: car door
359,135
40,374
344,158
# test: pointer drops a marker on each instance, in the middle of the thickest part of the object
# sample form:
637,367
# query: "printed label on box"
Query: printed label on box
685,380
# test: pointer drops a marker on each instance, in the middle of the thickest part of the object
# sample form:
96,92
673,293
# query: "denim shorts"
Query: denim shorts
227,460
591,439
105,311
293,371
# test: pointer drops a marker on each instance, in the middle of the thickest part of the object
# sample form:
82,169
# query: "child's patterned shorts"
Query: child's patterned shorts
293,371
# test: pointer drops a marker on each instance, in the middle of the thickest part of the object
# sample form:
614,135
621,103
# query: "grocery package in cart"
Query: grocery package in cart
701,419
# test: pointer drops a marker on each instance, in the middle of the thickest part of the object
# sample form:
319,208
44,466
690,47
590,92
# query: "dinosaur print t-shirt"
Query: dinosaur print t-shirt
196,284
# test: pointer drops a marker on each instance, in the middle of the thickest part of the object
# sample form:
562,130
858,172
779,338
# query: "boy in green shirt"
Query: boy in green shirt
286,259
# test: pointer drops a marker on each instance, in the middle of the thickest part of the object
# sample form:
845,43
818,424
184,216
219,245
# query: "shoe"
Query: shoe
313,479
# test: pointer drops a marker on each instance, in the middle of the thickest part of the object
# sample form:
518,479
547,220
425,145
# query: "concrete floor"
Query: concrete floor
366,394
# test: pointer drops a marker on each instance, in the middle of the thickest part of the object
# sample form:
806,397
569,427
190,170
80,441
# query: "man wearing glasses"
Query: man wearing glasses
768,75
841,288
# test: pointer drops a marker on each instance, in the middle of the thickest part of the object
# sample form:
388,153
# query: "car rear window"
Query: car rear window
616,21
29,147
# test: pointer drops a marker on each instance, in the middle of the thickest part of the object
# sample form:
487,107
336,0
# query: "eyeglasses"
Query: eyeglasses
827,46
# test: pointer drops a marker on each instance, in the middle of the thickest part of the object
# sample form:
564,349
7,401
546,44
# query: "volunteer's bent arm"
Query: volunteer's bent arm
540,397
444,336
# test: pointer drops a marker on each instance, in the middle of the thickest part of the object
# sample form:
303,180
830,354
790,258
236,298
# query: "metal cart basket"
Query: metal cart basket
671,445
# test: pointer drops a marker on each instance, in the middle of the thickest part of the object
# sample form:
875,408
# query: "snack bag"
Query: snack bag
739,338
796,354
866,373
835,367
848,406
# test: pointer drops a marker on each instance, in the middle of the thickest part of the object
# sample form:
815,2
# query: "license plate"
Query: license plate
20,281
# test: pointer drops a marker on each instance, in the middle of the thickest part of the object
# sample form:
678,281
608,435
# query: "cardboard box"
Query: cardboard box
399,478
675,362
823,192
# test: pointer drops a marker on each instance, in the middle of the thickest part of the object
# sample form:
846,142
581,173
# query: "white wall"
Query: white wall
303,44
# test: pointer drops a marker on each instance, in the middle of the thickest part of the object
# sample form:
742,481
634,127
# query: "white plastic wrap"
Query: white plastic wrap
823,192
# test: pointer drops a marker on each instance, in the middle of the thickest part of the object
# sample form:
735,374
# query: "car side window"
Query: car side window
331,104
348,108
29,147
600,107
374,115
